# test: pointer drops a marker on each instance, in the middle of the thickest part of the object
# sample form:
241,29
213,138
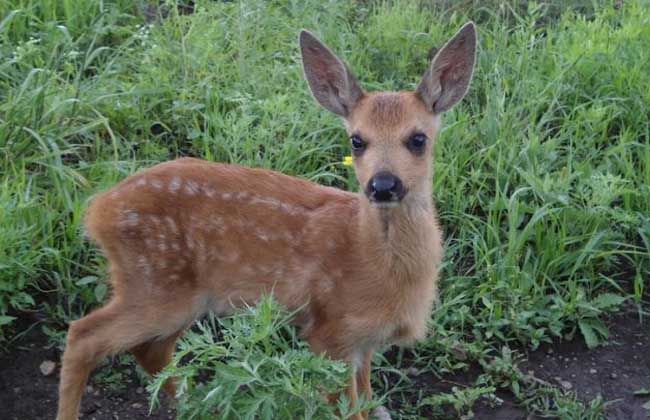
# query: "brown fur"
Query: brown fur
188,236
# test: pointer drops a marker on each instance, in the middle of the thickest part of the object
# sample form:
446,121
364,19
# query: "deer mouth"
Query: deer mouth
384,204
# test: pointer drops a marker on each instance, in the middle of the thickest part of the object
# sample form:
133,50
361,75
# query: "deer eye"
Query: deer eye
358,145
416,143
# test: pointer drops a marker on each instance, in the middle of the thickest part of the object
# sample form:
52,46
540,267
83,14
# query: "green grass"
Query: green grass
542,174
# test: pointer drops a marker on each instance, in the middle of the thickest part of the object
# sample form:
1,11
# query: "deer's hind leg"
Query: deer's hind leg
144,323
154,355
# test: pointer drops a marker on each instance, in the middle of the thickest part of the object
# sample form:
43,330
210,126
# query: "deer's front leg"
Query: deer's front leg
363,379
352,392
319,345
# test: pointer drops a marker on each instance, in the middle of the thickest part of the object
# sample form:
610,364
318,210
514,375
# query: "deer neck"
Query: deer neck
399,239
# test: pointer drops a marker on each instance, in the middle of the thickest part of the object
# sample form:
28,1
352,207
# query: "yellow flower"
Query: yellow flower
347,161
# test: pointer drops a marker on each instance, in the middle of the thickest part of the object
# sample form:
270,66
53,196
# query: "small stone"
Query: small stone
136,405
613,375
16,390
90,389
47,367
566,385
593,371
98,404
549,351
139,390
380,413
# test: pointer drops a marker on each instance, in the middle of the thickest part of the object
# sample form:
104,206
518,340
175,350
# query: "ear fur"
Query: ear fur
330,81
447,79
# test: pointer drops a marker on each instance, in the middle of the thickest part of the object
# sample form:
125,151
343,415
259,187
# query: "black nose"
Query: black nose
385,186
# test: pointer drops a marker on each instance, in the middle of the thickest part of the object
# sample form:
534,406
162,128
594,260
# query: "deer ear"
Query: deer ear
330,81
447,79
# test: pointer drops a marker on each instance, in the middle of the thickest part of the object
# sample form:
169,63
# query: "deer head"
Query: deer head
392,133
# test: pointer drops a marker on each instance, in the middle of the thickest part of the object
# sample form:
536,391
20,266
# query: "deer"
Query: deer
188,237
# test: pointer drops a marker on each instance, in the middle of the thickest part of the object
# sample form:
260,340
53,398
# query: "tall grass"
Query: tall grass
542,174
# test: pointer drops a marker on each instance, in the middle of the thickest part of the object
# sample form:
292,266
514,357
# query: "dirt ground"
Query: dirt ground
614,371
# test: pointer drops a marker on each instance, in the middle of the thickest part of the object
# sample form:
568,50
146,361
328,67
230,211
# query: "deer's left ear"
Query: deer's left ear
447,79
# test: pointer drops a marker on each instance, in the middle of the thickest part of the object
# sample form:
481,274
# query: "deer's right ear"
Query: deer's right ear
330,81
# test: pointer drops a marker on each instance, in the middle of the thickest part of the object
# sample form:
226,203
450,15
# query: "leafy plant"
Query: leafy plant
251,366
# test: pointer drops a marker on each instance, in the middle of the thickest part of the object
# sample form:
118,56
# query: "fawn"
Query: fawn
186,237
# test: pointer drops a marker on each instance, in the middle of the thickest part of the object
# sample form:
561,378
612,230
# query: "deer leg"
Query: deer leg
113,328
154,355
363,379
352,392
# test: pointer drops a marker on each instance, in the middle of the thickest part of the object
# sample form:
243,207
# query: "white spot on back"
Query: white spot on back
131,218
175,184
141,182
191,188
262,234
172,224
156,184
143,263
162,245
270,201
226,196
216,223
265,200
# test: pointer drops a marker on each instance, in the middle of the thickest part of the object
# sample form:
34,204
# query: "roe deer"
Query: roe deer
186,237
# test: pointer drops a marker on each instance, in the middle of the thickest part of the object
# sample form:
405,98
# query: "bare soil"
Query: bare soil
614,371
27,394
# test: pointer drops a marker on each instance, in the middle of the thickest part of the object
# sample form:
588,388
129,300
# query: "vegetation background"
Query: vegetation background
542,174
